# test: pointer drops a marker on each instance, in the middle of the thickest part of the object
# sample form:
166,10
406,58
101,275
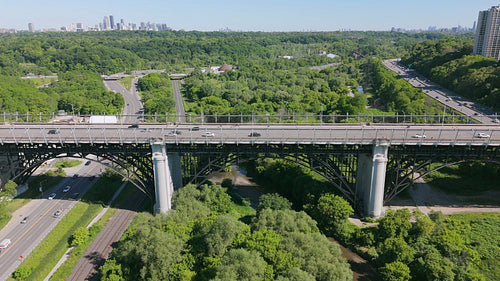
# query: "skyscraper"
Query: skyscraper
112,22
31,27
106,23
487,41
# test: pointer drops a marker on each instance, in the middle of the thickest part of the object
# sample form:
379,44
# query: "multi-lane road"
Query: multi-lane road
133,104
444,96
42,218
395,134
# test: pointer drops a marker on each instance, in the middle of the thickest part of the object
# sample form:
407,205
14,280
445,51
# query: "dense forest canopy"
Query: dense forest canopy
449,62
262,82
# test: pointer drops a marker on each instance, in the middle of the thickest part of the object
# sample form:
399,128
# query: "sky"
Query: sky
248,15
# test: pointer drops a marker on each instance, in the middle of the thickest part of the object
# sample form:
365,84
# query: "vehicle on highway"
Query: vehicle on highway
495,120
146,130
75,176
134,126
88,163
66,188
208,134
482,135
171,134
254,134
25,220
53,131
57,213
419,136
74,195
4,244
51,196
194,129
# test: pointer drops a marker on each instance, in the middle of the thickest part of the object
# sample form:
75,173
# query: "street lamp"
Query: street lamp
72,109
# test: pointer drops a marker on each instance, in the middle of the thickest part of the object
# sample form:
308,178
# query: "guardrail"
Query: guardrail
255,119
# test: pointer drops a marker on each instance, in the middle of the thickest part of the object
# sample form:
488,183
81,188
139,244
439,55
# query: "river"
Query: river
246,188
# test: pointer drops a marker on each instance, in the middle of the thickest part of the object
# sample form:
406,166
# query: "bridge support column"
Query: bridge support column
167,173
370,181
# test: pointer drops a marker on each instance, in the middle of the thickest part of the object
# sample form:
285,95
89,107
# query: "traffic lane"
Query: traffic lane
25,237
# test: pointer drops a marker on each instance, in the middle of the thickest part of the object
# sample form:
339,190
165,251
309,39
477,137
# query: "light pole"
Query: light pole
72,109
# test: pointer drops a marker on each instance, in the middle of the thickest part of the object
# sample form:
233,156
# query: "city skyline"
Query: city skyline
271,15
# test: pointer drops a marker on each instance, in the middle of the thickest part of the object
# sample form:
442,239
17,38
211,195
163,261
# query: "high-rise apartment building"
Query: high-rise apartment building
31,27
487,41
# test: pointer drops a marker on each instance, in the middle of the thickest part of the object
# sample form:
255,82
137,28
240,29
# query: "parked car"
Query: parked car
51,196
208,134
482,135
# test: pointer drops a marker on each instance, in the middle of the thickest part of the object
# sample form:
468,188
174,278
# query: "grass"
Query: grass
67,163
67,267
126,82
465,181
50,250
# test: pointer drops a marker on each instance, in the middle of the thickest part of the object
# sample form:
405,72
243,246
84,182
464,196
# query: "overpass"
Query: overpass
367,164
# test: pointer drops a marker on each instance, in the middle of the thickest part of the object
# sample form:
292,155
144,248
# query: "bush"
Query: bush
22,273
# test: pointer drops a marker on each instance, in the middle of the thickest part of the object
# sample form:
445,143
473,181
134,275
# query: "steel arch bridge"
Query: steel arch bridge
339,164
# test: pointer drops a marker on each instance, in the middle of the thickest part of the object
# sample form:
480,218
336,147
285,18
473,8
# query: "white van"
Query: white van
4,244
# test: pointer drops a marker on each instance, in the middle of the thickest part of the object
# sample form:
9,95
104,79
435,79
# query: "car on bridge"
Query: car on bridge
419,136
254,134
53,132
482,135
208,134
134,126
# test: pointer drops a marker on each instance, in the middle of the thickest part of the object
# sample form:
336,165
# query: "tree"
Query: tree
80,236
296,274
273,201
395,249
395,224
284,221
9,189
240,264
111,271
22,272
395,271
221,234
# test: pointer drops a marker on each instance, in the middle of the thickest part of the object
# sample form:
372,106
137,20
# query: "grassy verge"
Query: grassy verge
67,163
50,250
67,268
126,82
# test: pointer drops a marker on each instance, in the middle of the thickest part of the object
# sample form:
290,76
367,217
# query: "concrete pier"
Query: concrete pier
370,181
167,175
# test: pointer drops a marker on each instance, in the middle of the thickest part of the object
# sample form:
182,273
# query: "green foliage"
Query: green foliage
22,272
284,221
395,271
111,271
296,274
156,93
449,63
273,201
9,189
240,264
221,233
395,249
395,224
80,236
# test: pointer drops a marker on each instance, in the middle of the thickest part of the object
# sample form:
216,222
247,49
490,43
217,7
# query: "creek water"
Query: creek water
246,188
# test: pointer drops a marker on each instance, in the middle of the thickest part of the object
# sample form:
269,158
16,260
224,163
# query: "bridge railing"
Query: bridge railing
249,134
252,118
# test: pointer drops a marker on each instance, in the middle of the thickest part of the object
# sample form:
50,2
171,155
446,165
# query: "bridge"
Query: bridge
368,164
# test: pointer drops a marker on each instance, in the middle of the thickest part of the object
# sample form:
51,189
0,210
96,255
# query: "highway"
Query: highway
395,134
442,95
41,212
133,103
179,103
